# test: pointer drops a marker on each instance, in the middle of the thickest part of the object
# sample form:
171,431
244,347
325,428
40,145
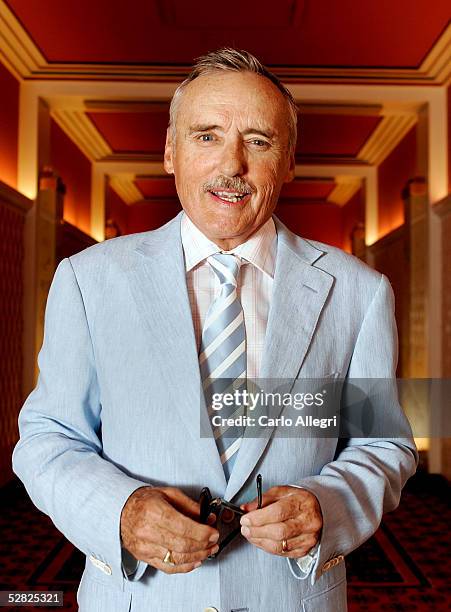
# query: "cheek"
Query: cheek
269,174
193,174
193,160
269,180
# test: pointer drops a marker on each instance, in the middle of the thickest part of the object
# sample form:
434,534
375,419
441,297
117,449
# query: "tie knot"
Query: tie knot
226,267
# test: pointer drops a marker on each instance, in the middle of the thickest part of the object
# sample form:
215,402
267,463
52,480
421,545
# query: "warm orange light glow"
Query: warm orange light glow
422,443
8,173
27,188
390,224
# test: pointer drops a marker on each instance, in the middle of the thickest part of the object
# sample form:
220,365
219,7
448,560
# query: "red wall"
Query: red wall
144,216
75,171
394,172
318,221
12,221
9,126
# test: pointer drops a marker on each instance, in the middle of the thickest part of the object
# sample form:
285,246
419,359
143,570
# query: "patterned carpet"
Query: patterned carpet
405,566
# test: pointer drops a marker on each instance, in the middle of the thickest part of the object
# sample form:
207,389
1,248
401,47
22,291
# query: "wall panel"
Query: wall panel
13,209
9,126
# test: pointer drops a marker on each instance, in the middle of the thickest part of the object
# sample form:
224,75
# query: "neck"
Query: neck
227,244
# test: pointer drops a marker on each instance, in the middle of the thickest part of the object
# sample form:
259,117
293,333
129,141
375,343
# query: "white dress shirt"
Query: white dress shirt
258,256
254,290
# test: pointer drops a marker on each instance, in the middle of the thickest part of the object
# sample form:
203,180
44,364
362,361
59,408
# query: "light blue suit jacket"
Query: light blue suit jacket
117,407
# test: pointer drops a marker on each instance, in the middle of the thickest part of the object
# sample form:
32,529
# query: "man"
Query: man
139,327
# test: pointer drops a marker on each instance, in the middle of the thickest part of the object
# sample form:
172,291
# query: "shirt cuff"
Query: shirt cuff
306,562
132,569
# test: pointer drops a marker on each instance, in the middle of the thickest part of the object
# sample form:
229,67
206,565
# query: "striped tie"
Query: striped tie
222,356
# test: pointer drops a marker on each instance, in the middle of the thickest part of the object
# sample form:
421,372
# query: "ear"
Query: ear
169,152
291,169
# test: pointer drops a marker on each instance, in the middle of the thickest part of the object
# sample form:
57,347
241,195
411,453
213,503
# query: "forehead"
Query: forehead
233,95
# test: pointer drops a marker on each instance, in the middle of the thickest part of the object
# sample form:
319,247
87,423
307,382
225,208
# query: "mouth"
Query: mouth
230,198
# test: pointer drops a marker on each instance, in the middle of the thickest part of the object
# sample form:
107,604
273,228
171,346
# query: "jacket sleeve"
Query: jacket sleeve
59,454
367,475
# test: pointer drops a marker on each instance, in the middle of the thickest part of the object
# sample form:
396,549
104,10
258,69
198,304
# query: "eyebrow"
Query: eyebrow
201,127
266,133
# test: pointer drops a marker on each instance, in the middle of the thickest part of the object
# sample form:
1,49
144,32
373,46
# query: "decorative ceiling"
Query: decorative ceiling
298,37
107,70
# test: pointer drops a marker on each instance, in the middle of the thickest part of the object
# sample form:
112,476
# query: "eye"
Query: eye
259,143
206,137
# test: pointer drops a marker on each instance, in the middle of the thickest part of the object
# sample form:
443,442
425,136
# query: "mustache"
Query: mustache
225,182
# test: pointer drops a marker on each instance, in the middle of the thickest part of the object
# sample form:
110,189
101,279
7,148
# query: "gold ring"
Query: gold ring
284,546
168,559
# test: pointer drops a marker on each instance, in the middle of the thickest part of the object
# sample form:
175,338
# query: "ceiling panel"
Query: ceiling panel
128,132
316,33
197,14
333,135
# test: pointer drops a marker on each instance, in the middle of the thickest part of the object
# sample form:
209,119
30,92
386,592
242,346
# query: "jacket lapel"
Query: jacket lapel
158,284
299,293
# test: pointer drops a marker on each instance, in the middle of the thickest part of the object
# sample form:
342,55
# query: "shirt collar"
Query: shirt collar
260,249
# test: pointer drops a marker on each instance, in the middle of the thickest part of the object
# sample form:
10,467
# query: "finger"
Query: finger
180,525
303,507
304,543
277,512
174,569
164,539
273,531
185,558
275,548
182,502
270,496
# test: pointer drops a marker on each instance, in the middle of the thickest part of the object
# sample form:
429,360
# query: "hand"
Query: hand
155,520
287,513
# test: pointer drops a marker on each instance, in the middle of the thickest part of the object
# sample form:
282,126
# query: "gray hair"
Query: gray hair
234,60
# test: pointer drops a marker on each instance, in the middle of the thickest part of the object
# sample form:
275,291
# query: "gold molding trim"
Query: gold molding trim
126,106
18,49
345,188
123,185
331,108
83,133
390,131
437,63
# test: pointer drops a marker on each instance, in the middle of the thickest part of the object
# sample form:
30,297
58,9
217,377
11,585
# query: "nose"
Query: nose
233,161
